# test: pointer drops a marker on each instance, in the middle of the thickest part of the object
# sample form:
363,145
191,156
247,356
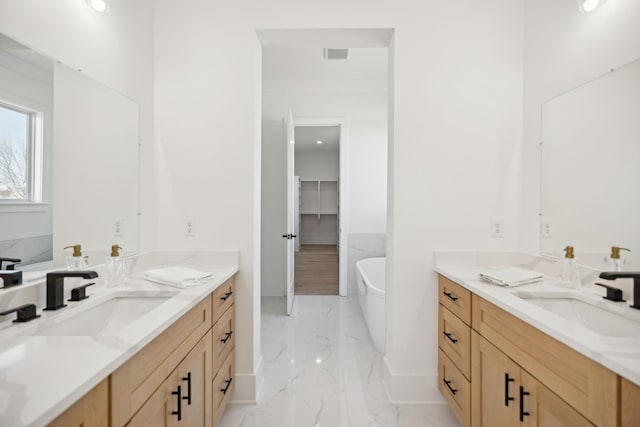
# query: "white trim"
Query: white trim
248,385
343,124
13,207
411,389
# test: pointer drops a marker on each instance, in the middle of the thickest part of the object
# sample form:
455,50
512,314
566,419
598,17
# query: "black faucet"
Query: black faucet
613,275
55,286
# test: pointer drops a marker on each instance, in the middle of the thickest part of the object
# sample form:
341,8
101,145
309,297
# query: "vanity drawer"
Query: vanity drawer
135,381
224,337
455,388
222,298
454,338
223,386
455,298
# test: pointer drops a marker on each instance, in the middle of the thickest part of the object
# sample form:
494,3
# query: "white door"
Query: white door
290,233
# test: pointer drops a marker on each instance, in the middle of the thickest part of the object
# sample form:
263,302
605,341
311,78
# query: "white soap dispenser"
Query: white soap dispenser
77,261
570,274
614,262
114,268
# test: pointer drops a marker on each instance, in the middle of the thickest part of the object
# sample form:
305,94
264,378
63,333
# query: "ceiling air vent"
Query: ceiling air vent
336,53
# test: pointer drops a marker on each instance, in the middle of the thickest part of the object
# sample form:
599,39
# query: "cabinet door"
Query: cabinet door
540,407
494,383
161,410
194,376
630,404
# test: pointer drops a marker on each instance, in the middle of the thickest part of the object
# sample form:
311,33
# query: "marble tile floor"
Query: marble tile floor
321,370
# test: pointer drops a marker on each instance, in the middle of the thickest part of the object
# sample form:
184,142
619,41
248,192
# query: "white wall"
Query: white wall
30,86
115,49
456,125
318,165
563,49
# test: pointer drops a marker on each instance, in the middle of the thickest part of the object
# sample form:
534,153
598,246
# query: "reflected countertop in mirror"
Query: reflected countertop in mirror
589,172
71,149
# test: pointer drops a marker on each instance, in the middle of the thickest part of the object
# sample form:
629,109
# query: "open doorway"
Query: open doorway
317,209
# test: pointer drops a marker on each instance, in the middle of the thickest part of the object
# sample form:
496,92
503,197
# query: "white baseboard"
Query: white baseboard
248,385
411,389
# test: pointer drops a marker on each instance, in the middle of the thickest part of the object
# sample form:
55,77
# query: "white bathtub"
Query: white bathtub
371,292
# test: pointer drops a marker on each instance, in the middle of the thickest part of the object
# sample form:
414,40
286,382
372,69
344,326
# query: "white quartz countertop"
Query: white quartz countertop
42,375
618,353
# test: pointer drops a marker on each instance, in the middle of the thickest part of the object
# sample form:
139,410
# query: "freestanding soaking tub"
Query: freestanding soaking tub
371,295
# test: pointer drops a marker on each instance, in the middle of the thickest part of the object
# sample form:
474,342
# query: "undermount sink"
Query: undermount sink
598,316
105,317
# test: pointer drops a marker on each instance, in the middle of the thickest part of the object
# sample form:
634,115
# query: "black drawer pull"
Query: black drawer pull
226,296
448,384
227,337
226,388
188,396
507,380
450,296
522,395
178,393
448,335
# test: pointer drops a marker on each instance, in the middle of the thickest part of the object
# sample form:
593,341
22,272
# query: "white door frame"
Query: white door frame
342,123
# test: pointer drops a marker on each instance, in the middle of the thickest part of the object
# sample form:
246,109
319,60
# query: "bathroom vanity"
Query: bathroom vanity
172,366
503,362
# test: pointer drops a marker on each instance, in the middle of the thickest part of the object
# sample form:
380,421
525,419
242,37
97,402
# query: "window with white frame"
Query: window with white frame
20,154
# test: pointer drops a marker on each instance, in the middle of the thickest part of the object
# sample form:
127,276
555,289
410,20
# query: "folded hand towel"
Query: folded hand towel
511,277
179,277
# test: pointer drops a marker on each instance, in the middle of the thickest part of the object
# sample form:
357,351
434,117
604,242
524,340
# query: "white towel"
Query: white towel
179,277
511,277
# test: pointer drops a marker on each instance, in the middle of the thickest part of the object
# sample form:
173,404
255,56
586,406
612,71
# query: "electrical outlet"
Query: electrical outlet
546,228
118,227
497,228
189,228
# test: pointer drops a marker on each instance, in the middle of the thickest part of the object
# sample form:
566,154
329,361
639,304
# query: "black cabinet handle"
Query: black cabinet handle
448,335
226,388
226,296
448,384
188,396
178,393
507,380
450,296
227,337
293,236
522,395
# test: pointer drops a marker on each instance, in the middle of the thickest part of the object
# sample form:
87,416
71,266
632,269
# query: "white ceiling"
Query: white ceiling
306,138
329,37
308,64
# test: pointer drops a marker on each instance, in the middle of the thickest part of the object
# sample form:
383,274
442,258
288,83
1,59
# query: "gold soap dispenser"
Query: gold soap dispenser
615,262
114,268
570,274
76,261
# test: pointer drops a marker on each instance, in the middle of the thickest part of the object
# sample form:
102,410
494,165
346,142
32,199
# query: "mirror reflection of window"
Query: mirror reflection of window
20,148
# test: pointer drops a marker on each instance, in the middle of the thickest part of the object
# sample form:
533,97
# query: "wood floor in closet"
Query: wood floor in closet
316,270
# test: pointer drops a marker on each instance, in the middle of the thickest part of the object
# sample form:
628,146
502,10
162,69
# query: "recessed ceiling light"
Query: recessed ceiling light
318,142
589,5
100,5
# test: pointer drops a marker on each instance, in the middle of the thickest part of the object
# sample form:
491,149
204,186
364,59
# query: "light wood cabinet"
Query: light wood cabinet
454,341
518,375
504,394
91,410
182,398
630,404
585,385
494,383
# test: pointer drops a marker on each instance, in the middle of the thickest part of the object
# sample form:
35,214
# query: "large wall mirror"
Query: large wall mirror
590,173
69,149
